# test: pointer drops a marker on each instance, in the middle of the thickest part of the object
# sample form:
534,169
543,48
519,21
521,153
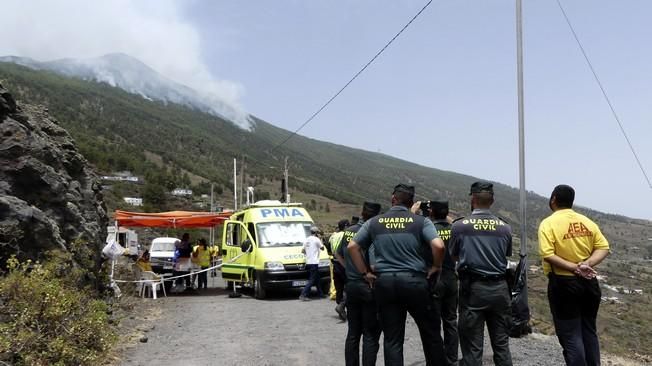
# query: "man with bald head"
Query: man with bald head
481,243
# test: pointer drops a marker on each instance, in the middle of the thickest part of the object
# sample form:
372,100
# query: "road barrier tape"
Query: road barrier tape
163,279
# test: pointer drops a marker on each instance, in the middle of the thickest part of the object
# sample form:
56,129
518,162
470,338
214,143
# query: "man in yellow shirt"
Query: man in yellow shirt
571,246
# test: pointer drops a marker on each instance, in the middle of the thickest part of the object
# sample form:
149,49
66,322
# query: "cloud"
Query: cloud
152,31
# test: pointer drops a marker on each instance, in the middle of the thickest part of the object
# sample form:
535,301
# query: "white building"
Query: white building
115,178
134,201
182,192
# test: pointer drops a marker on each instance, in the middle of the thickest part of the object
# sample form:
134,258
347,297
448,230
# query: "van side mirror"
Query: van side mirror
246,246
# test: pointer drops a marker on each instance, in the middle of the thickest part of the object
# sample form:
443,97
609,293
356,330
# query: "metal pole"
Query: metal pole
287,185
211,237
242,173
235,185
521,126
116,241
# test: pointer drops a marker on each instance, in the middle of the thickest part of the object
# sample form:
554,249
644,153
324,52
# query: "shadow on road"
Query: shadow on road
216,287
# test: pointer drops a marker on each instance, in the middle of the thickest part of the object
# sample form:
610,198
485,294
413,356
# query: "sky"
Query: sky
443,95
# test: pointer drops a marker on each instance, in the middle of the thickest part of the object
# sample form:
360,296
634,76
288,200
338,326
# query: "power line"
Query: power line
604,93
353,78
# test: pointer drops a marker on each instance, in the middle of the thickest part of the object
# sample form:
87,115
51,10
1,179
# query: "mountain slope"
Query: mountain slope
117,130
130,74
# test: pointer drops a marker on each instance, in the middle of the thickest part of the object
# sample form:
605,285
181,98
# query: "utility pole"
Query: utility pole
521,126
520,305
285,177
235,184
242,171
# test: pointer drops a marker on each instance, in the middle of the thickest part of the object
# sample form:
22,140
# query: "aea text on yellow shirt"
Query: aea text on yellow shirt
569,235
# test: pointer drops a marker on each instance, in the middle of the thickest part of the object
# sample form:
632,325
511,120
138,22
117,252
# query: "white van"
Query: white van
161,254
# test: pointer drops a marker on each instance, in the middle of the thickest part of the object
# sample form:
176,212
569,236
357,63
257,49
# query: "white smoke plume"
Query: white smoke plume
151,31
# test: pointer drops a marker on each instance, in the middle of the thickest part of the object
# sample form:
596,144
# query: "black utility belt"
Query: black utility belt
479,277
554,276
401,274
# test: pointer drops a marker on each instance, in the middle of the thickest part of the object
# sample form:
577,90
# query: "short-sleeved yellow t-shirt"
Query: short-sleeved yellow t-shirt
203,256
569,235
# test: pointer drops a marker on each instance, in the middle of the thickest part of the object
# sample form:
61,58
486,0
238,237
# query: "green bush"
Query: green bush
46,318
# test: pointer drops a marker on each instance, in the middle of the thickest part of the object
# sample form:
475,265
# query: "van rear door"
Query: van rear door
235,234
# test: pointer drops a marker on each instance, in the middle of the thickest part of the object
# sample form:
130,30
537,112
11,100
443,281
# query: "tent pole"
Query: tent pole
117,229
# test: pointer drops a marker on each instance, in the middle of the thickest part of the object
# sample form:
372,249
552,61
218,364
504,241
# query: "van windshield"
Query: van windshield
164,246
282,234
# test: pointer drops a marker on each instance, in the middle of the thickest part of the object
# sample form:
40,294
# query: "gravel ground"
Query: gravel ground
209,328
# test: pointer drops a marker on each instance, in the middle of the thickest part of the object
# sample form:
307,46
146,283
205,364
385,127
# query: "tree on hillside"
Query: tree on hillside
154,195
185,180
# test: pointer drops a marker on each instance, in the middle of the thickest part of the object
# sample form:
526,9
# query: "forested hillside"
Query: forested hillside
173,146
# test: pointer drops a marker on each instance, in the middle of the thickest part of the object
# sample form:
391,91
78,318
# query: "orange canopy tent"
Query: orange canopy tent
171,219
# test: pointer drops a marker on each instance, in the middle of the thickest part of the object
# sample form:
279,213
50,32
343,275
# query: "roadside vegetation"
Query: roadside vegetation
51,315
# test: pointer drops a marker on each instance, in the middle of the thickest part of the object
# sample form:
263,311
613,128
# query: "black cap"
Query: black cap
371,207
342,224
482,187
404,188
439,205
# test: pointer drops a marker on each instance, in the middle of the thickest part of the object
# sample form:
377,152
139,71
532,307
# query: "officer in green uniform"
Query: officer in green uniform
400,274
339,275
361,309
481,244
446,289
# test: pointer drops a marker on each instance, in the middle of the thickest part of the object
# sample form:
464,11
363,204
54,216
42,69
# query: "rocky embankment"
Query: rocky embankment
49,196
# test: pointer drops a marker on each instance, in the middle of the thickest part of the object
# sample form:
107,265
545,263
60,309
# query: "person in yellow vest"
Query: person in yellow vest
214,251
143,262
202,256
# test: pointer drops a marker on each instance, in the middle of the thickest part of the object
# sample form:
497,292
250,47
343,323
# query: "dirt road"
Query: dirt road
210,328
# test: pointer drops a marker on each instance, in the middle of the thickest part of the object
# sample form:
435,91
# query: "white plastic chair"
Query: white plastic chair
154,282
